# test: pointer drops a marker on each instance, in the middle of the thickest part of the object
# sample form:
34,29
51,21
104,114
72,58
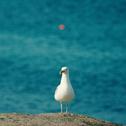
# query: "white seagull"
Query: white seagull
64,92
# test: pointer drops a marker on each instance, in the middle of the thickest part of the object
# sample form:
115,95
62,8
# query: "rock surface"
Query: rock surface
51,119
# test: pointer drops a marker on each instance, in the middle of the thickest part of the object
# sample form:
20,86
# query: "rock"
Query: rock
51,119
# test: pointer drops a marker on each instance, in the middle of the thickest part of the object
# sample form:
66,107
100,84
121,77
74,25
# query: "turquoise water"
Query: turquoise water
92,45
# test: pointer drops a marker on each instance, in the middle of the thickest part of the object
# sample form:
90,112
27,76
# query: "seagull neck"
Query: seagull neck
65,78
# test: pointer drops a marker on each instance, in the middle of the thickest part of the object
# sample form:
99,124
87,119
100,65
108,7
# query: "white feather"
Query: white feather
64,92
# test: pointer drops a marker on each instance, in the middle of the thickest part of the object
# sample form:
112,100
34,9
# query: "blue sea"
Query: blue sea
92,45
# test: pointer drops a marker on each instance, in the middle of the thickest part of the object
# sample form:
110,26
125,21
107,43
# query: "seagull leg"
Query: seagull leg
66,108
61,107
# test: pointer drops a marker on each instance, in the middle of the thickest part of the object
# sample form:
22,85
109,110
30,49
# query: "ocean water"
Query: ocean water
92,45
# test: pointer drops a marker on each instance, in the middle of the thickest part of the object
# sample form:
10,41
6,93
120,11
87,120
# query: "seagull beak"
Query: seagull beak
62,72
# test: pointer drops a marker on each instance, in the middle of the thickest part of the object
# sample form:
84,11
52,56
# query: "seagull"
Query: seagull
64,92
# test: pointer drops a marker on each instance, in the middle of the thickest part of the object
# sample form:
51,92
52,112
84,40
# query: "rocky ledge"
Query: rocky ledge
51,119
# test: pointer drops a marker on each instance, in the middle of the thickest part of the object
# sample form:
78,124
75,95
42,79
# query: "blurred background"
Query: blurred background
92,43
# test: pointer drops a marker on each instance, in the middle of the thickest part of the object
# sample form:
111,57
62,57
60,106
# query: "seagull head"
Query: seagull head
64,70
